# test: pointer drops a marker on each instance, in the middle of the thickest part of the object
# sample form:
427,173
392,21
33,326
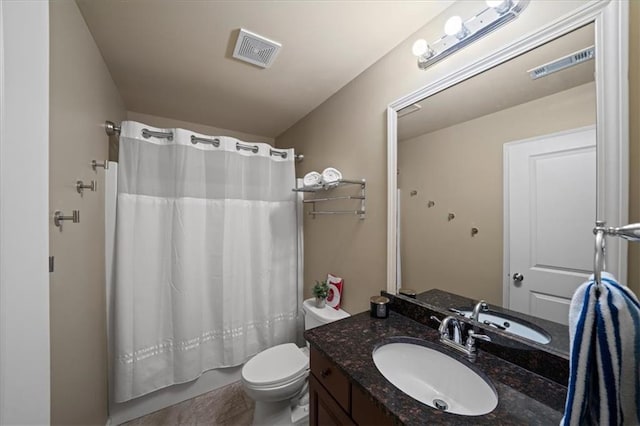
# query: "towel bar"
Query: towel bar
629,232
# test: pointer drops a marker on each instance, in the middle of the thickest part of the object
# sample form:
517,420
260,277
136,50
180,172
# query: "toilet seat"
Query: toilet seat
276,367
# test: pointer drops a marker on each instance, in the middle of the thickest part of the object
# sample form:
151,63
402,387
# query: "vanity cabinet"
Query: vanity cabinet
333,400
323,408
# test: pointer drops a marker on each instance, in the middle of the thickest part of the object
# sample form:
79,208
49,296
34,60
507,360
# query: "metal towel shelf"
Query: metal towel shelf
327,187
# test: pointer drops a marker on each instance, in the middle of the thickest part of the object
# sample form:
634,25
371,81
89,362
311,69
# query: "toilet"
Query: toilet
276,378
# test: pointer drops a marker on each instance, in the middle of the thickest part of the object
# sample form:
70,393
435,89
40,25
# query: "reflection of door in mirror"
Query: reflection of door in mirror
549,207
451,180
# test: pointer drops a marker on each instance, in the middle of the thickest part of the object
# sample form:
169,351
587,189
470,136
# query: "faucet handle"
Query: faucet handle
470,345
441,329
473,335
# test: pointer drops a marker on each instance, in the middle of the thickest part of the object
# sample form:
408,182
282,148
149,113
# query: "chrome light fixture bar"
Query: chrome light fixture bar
459,33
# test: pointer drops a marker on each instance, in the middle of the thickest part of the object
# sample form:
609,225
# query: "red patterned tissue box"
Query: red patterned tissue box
335,291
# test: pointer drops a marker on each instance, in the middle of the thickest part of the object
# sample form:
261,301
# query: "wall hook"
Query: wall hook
81,186
451,216
59,217
95,165
431,203
413,193
474,231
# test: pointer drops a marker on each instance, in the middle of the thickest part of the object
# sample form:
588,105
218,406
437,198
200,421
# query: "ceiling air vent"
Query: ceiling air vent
562,63
255,49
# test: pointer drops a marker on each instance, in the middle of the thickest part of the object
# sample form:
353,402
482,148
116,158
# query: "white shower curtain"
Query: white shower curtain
205,262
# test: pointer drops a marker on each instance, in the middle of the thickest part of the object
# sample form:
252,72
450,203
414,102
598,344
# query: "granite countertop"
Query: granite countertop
523,397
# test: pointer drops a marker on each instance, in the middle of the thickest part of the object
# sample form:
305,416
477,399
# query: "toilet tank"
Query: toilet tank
315,317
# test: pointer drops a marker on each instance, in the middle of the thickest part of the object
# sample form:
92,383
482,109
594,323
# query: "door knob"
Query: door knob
518,277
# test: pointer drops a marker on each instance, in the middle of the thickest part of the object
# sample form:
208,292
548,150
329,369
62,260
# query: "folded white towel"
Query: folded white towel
331,175
604,381
312,179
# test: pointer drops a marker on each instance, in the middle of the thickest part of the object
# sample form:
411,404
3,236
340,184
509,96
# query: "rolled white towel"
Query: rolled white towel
331,176
312,179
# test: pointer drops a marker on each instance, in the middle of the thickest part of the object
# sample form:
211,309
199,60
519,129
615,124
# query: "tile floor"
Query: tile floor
227,406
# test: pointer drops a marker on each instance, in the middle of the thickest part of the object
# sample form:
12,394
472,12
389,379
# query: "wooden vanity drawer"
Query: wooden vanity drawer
323,409
365,412
334,381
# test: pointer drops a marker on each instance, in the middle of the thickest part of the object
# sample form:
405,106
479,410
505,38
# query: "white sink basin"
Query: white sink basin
512,326
435,378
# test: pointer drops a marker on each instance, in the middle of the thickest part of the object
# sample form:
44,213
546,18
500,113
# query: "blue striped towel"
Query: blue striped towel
604,382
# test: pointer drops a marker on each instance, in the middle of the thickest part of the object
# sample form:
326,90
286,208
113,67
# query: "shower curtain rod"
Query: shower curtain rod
114,130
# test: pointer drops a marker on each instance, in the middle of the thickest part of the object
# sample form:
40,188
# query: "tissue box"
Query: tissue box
335,291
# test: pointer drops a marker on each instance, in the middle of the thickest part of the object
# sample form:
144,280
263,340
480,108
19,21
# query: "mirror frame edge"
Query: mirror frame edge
611,19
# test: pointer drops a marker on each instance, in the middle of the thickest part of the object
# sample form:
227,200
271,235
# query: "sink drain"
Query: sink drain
440,404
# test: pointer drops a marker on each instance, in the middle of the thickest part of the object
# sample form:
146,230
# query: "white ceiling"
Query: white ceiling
173,58
501,87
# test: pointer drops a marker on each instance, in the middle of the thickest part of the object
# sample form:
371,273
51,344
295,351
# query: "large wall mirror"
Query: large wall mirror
499,171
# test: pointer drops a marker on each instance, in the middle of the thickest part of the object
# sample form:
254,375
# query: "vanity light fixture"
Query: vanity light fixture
422,50
459,33
455,27
501,6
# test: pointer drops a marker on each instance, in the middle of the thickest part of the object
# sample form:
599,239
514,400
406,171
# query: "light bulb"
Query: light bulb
453,26
501,6
420,47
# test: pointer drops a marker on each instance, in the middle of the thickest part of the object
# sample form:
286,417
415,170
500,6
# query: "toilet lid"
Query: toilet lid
275,365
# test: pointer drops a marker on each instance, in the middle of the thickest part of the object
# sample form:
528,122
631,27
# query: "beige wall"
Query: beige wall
348,131
461,169
83,96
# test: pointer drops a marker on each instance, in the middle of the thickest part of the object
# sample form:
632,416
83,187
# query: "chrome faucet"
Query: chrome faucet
444,329
455,341
480,306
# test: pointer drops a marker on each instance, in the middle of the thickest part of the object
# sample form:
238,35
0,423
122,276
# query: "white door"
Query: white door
550,211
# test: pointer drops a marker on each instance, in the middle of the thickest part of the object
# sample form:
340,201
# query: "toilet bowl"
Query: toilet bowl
276,378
